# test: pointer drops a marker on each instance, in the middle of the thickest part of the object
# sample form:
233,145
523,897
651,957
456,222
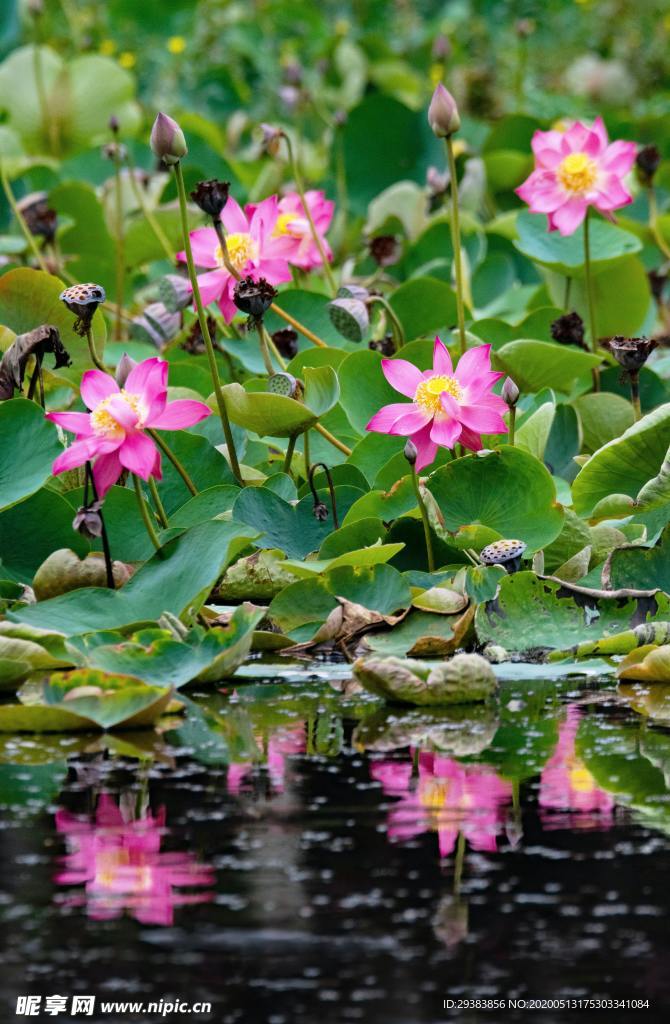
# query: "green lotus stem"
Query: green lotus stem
397,327
286,468
653,223
265,352
589,295
333,440
299,184
275,351
158,504
459,861
148,214
202,319
305,453
634,378
25,230
95,358
566,294
109,565
619,643
456,243
144,512
512,425
424,518
49,125
120,257
167,451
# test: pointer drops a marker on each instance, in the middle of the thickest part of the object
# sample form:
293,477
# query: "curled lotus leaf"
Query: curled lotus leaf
464,679
63,571
460,731
647,664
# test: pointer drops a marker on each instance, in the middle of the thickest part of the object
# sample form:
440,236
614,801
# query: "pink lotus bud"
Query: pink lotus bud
443,115
510,392
167,140
125,364
410,452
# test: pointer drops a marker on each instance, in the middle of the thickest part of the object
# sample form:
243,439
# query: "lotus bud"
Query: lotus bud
175,292
443,116
125,364
350,317
114,125
167,140
507,553
88,520
410,452
646,164
271,139
211,196
254,297
510,393
631,353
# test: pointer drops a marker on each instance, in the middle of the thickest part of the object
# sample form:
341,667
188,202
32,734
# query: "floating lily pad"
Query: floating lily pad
464,679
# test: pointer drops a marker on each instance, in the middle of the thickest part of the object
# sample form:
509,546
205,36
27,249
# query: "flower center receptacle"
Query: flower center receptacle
577,173
429,392
290,224
581,780
241,250
103,421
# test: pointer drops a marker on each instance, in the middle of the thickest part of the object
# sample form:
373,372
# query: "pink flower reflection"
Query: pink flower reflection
282,744
447,798
566,784
118,860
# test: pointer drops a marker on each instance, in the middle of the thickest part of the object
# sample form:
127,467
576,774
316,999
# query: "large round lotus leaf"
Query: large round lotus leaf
28,446
293,529
624,466
540,364
603,417
86,241
32,530
424,305
566,253
276,416
464,679
643,568
371,169
507,490
309,308
621,296
29,298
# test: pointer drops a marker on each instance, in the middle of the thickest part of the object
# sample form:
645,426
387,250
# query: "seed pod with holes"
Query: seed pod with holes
507,553
83,300
175,292
283,384
350,318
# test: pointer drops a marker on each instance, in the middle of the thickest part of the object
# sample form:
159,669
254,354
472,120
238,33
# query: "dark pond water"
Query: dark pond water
294,857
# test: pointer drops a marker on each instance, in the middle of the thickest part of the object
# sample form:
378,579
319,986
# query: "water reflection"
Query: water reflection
273,754
116,856
567,785
439,794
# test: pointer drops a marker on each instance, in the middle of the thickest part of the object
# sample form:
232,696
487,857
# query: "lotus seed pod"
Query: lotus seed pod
211,196
282,384
507,553
167,140
631,353
353,291
350,318
155,325
443,116
175,292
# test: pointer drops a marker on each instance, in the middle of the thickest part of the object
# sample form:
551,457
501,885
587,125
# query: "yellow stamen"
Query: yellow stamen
287,225
241,248
581,780
577,172
103,421
433,794
428,393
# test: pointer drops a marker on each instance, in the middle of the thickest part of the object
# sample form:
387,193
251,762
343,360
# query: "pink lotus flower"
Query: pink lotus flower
566,784
118,860
282,744
254,250
576,169
447,405
447,798
112,432
293,225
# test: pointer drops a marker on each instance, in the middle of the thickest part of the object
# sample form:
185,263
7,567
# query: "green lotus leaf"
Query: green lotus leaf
464,679
277,416
565,254
541,364
24,430
461,730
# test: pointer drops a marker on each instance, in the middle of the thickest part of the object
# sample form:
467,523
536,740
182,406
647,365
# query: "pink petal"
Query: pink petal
543,142
76,422
96,386
413,420
233,217
122,412
402,375
473,364
619,157
481,419
212,285
569,216
138,455
598,127
441,359
383,420
426,449
204,243
445,431
149,380
76,455
575,138
182,413
274,271
226,304
548,158
264,219
611,194
469,439
106,471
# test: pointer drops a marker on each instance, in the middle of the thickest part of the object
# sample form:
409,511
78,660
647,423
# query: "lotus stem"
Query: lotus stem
109,567
36,379
275,351
167,451
512,425
120,257
158,504
265,352
299,184
456,243
331,490
202,319
430,557
333,440
590,298
49,125
634,378
396,325
459,861
95,358
144,512
653,223
289,454
148,214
